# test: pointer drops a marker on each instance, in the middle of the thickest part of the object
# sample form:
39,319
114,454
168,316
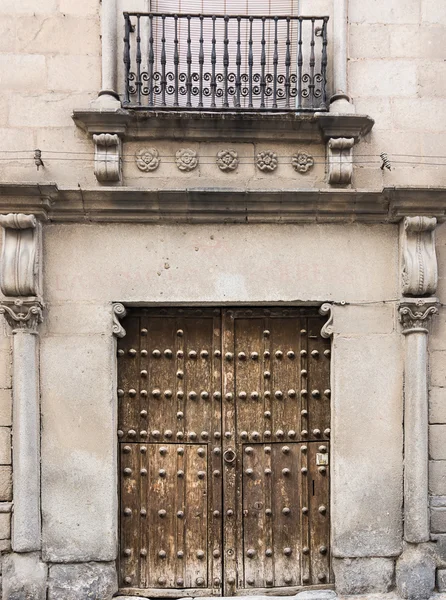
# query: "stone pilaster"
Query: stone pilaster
20,280
415,315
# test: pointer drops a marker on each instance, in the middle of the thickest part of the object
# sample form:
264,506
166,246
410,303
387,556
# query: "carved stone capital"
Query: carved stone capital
21,251
340,160
22,314
107,157
415,314
327,330
419,261
119,312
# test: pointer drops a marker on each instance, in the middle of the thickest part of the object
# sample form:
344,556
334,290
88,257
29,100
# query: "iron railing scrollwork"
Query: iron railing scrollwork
223,62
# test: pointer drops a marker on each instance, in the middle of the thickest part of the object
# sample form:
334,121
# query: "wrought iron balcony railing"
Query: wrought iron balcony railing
222,62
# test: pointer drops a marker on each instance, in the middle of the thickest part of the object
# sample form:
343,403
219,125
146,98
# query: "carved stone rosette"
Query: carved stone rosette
267,161
302,162
415,314
340,160
419,261
186,159
107,157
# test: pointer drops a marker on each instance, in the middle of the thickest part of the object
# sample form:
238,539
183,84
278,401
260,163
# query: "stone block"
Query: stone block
364,320
23,577
437,368
437,338
363,575
382,11
368,41
433,12
28,7
441,580
437,477
5,526
78,448
423,115
366,78
80,7
437,442
438,520
78,319
380,108
5,408
367,450
45,110
16,139
415,574
77,73
214,259
431,41
95,581
5,446
432,79
437,406
58,35
8,32
22,72
5,484
404,41
5,369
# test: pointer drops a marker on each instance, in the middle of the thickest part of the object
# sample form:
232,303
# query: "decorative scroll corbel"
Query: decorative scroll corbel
327,330
119,312
419,261
340,160
20,262
107,157
415,314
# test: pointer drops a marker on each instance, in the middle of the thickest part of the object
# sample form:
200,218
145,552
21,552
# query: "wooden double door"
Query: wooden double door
224,429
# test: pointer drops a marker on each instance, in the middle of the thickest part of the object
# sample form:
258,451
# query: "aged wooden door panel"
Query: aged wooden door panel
224,421
276,411
169,388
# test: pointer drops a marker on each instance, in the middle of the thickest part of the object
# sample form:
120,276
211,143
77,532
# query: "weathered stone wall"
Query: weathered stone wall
397,75
437,415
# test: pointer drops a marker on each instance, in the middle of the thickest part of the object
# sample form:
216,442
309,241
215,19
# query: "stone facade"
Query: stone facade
260,210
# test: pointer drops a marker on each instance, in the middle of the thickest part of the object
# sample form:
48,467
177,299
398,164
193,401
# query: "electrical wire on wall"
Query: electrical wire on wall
44,157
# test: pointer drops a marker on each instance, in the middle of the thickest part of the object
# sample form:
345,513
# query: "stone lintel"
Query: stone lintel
222,205
236,126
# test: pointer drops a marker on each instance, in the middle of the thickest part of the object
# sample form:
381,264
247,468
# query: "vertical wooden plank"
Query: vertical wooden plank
286,510
198,377
285,351
129,516
215,522
305,532
249,377
161,377
128,381
319,381
180,513
253,478
144,533
319,514
161,515
232,541
196,508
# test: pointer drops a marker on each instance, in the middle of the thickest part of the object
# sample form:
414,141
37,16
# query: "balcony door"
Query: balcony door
224,445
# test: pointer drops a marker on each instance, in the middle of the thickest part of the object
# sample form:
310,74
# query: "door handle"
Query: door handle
229,456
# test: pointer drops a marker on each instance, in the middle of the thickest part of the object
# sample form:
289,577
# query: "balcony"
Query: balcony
221,63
